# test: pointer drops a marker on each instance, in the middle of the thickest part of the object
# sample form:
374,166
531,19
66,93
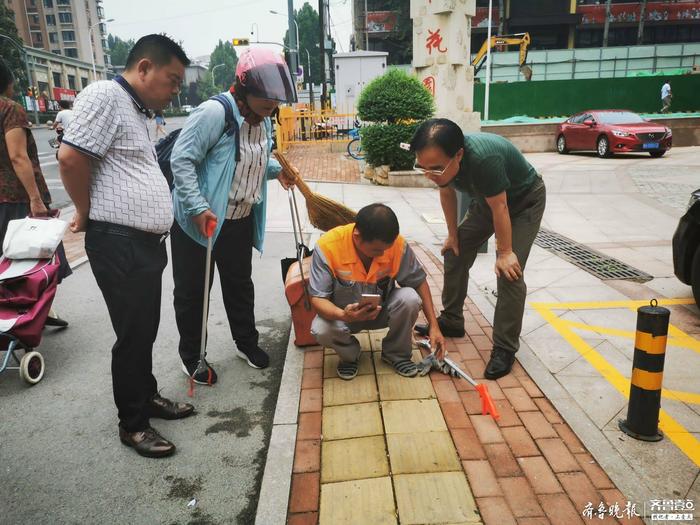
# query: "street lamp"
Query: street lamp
94,69
212,74
297,27
24,54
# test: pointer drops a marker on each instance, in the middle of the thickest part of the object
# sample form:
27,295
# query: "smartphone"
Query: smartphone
372,299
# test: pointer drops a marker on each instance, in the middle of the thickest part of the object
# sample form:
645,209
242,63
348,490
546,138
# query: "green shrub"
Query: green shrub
380,143
394,97
394,104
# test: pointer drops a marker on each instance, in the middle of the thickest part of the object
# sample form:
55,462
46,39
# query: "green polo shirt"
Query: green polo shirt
491,165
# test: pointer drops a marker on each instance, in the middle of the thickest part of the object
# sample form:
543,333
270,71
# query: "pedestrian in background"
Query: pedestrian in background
23,190
160,124
63,118
122,200
221,174
666,97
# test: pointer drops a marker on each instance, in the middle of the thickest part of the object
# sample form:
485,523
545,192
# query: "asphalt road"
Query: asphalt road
49,165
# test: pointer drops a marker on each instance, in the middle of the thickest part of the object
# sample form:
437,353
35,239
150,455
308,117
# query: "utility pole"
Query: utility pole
642,15
606,27
322,47
366,29
501,17
293,43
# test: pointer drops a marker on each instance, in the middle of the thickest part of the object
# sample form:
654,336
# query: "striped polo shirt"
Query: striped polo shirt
246,187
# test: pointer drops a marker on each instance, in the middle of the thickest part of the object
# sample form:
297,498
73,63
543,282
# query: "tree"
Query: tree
307,20
205,89
119,49
9,53
224,53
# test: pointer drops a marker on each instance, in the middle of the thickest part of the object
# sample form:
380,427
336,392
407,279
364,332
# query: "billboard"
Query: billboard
481,19
629,13
64,94
381,21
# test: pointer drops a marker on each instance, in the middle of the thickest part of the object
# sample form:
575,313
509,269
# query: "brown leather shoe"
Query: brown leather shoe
148,443
163,408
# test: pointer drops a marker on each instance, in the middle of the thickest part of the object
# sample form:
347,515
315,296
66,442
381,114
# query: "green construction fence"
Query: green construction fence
553,98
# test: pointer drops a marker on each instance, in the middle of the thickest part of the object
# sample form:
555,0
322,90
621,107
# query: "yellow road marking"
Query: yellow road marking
678,434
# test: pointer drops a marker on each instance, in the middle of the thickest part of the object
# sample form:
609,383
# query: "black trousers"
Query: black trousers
232,253
129,273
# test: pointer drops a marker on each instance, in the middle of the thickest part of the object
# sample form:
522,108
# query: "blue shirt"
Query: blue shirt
203,162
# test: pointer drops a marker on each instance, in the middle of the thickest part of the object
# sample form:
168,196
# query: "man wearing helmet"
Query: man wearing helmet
220,172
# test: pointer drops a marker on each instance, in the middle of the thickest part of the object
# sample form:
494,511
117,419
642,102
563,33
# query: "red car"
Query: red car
612,131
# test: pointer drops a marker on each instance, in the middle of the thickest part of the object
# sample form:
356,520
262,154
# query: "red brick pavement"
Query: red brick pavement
527,468
327,162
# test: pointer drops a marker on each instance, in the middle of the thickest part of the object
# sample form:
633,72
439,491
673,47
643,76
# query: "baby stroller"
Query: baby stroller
27,290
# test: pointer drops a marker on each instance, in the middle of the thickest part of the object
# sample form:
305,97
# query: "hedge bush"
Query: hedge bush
393,104
380,143
395,96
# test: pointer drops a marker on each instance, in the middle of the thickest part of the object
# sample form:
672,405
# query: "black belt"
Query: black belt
127,231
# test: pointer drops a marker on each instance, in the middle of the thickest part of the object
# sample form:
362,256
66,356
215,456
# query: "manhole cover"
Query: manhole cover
593,262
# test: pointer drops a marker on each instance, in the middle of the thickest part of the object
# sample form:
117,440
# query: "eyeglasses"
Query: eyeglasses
433,173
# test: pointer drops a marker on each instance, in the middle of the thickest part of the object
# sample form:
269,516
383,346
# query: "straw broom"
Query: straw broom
324,213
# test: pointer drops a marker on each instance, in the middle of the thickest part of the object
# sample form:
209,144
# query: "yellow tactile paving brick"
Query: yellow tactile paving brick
422,452
376,337
350,421
357,458
442,497
364,340
416,415
393,387
362,389
382,368
353,502
330,364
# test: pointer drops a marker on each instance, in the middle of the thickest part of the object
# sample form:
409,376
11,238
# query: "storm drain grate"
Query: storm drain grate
595,263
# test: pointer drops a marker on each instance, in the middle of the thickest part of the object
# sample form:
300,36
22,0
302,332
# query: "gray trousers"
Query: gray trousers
399,314
666,102
525,218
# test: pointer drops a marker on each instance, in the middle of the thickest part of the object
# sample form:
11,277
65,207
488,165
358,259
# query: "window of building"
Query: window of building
56,51
38,39
84,82
71,82
34,20
71,52
68,36
63,2
57,80
48,3
65,18
53,38
50,20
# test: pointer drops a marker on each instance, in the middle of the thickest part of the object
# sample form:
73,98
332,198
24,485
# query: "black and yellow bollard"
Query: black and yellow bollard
647,373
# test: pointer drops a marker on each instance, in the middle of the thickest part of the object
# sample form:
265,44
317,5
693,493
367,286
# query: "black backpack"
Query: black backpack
164,148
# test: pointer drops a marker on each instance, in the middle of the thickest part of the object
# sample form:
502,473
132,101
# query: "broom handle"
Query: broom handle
289,170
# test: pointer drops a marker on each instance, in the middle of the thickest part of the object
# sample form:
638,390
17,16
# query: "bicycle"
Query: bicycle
355,145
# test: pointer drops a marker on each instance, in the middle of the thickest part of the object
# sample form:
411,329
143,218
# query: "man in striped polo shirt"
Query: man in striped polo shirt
109,168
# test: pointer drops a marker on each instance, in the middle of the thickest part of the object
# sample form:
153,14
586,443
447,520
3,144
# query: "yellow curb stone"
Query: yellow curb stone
422,452
350,421
330,364
357,458
362,389
393,387
365,501
417,415
382,368
442,497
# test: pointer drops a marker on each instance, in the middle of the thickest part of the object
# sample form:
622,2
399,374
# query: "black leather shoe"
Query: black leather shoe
422,329
147,443
162,408
500,363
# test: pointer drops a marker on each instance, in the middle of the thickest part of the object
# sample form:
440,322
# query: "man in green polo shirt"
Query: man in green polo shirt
508,200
